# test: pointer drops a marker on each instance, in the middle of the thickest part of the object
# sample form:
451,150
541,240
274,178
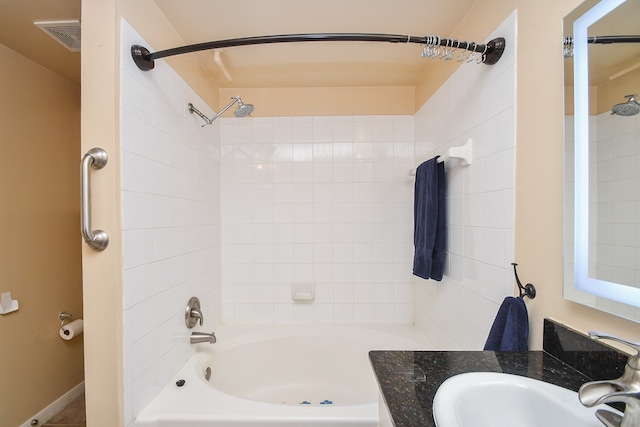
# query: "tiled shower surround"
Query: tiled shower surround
322,200
237,212
477,102
170,225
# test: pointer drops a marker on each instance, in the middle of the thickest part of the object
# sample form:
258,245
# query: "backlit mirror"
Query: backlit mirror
602,157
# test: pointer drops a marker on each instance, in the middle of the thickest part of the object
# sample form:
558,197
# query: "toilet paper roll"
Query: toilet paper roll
71,330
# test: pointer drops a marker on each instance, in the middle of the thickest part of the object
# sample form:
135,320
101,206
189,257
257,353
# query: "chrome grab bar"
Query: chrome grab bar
96,239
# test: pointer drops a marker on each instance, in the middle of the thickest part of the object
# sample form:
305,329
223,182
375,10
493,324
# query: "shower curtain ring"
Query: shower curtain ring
462,54
445,50
450,51
483,55
453,49
425,52
472,55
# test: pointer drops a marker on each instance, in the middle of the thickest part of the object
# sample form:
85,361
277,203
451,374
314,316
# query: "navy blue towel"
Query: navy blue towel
510,329
429,216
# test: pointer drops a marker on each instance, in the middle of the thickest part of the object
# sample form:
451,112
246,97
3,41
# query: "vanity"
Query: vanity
408,380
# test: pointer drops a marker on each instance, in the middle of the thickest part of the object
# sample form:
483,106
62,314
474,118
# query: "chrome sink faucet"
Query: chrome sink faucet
625,389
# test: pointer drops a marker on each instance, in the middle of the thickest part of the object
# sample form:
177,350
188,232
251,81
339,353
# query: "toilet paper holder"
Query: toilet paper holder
64,316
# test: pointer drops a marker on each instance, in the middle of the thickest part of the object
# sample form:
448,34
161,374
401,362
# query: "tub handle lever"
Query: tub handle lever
193,314
197,314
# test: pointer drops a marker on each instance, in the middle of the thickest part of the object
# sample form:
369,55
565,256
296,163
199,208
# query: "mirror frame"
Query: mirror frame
582,281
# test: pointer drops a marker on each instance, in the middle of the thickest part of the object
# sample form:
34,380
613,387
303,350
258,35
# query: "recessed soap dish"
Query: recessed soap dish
303,292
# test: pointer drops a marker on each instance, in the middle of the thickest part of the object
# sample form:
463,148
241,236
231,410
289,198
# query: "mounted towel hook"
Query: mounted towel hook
527,290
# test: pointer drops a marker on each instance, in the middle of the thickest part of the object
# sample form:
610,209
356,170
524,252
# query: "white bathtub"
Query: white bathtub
299,375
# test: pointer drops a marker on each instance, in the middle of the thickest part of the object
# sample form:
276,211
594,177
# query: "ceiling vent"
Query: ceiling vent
67,33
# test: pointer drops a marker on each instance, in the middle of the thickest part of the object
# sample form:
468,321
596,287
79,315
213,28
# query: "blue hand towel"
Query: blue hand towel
510,329
429,216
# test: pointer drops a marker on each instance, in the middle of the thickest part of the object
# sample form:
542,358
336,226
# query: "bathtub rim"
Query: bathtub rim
173,405
237,334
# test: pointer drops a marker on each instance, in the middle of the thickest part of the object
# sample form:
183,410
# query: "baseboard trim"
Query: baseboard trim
47,413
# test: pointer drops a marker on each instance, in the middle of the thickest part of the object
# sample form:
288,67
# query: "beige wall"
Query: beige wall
539,171
102,271
333,101
39,243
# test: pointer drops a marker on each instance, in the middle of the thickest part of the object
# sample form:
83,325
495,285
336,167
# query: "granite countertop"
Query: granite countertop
409,379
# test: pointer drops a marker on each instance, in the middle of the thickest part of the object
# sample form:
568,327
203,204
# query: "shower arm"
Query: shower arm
193,109
235,99
208,120
492,51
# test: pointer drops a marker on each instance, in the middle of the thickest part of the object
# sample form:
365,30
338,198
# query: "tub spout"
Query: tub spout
200,337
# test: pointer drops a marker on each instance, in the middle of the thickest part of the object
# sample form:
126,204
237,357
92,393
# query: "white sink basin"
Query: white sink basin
489,399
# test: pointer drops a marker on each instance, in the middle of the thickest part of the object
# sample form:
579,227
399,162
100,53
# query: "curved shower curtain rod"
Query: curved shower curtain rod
607,39
491,52
568,42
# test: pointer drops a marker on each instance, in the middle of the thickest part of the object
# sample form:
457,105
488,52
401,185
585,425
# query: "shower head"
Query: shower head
629,108
243,110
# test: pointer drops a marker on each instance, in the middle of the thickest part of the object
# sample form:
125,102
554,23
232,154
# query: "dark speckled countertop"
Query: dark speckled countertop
408,380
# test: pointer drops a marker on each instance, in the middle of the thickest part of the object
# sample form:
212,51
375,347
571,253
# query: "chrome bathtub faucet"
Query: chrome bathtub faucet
625,389
192,313
200,337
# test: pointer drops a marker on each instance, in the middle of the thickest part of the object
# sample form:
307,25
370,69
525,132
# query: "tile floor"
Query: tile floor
73,415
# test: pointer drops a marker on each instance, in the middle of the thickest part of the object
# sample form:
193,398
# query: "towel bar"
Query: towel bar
463,153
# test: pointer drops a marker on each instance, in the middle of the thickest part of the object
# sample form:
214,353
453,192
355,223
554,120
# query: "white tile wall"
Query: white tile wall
171,224
477,102
325,200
